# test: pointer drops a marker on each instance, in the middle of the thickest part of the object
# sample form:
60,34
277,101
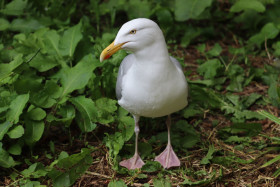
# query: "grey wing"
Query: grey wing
176,63
124,67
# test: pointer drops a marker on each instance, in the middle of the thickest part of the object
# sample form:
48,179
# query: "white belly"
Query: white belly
153,93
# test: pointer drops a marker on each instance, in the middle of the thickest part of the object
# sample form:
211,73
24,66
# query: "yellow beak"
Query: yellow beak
110,50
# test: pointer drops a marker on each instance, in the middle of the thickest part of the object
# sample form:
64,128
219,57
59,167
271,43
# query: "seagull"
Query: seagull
150,83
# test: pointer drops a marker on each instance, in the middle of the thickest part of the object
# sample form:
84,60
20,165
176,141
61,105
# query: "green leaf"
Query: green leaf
76,77
43,62
6,69
161,183
87,113
16,108
191,111
15,149
37,114
142,9
228,161
65,114
16,132
273,93
35,170
52,39
237,77
189,138
47,96
118,183
14,8
4,127
269,31
126,125
209,155
33,131
69,169
70,40
151,166
4,24
215,51
190,9
106,107
6,161
115,143
237,139
210,68
251,99
25,25
242,5
190,34
250,129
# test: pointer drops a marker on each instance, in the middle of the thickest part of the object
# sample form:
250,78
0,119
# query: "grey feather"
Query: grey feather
176,63
124,67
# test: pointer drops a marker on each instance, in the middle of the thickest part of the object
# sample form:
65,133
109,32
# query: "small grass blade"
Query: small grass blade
269,116
271,162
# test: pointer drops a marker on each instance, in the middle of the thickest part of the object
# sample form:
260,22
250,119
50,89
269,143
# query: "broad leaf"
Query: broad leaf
70,40
15,149
118,183
16,132
126,125
17,107
215,51
6,161
4,24
190,9
4,127
47,96
15,8
242,5
269,31
69,169
25,25
161,183
52,39
210,68
36,170
43,62
106,107
37,114
87,113
76,77
151,166
33,131
6,69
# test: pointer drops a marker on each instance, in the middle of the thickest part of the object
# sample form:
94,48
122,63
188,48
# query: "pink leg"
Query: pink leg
135,161
168,158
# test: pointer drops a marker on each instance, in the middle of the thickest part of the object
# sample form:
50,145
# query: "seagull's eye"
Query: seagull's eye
132,31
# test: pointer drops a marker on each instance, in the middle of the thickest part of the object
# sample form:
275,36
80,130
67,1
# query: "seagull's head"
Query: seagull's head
133,36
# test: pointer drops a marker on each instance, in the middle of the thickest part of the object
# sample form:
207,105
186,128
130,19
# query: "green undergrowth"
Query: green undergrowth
52,85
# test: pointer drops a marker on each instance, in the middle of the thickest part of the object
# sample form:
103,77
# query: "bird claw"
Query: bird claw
168,158
134,162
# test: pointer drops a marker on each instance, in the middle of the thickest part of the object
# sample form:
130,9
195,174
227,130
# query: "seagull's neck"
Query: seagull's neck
155,53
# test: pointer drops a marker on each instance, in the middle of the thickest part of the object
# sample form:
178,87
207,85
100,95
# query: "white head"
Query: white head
134,35
138,33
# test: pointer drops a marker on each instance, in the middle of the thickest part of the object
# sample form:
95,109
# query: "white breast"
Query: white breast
153,90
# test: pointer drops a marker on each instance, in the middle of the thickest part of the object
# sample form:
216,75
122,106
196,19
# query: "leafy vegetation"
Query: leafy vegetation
60,124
